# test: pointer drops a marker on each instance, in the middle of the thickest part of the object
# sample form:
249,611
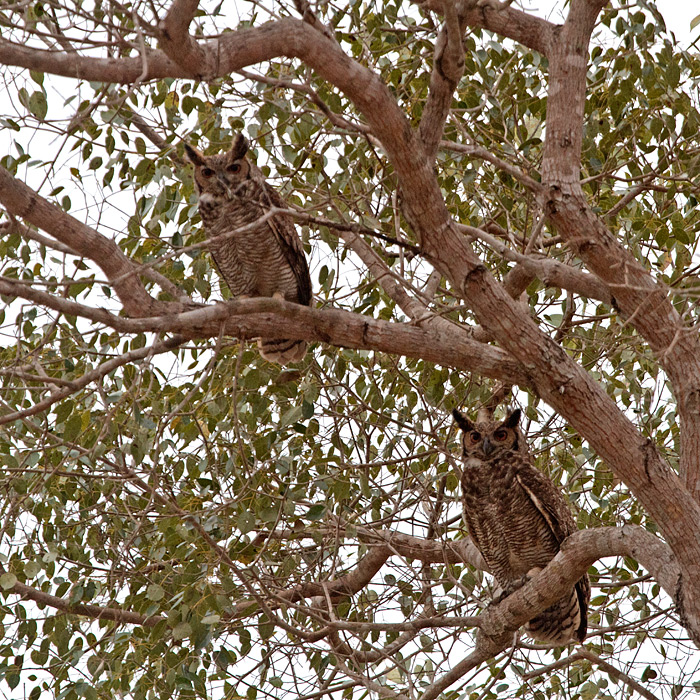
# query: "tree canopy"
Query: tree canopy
498,209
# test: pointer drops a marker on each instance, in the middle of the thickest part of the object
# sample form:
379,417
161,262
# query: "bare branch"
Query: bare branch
251,318
483,154
448,67
644,302
578,552
177,43
616,674
526,29
551,272
23,202
95,612
71,65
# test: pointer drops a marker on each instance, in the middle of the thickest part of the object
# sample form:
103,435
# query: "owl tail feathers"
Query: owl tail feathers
282,351
563,623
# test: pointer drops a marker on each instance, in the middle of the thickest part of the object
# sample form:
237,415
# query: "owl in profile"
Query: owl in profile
257,255
518,519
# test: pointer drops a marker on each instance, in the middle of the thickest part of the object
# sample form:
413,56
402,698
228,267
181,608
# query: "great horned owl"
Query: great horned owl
518,519
257,255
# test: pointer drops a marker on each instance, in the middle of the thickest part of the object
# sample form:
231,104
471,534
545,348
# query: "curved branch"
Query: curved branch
95,612
643,301
472,149
426,551
448,66
89,377
179,45
445,344
23,202
528,30
578,552
104,70
552,272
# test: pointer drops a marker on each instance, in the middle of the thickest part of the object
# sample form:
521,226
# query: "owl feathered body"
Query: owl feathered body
518,519
257,254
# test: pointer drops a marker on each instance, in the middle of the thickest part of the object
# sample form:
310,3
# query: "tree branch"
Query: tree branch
472,149
526,29
21,201
95,612
552,272
72,65
91,376
180,46
448,67
641,299
577,553
265,317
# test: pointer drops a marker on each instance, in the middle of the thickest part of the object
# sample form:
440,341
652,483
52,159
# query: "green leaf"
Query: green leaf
38,105
315,512
588,691
7,581
31,569
182,631
155,592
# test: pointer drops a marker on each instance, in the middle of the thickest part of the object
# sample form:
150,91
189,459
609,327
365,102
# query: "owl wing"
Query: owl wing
548,500
552,505
292,249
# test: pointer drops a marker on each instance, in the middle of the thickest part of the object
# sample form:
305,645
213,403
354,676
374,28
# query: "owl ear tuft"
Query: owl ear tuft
193,155
512,419
462,421
239,147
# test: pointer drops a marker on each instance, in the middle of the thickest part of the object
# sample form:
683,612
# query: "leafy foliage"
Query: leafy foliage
195,487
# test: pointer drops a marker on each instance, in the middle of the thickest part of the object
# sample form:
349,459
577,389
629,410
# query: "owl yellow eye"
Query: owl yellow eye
474,437
500,435
233,168
207,172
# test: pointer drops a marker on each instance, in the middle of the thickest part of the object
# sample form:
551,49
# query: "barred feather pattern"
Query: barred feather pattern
518,519
250,260
257,253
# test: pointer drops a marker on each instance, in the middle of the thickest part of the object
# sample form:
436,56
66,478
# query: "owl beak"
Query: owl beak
225,185
487,446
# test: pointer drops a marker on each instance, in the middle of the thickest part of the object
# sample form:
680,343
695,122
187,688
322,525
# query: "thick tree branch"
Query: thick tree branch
448,66
426,551
177,43
109,70
21,201
252,318
641,299
528,30
578,552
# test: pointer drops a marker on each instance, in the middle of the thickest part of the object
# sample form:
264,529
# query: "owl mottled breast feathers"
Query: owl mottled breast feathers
518,519
257,253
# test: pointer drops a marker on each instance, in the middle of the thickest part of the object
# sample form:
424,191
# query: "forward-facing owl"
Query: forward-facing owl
257,255
518,519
